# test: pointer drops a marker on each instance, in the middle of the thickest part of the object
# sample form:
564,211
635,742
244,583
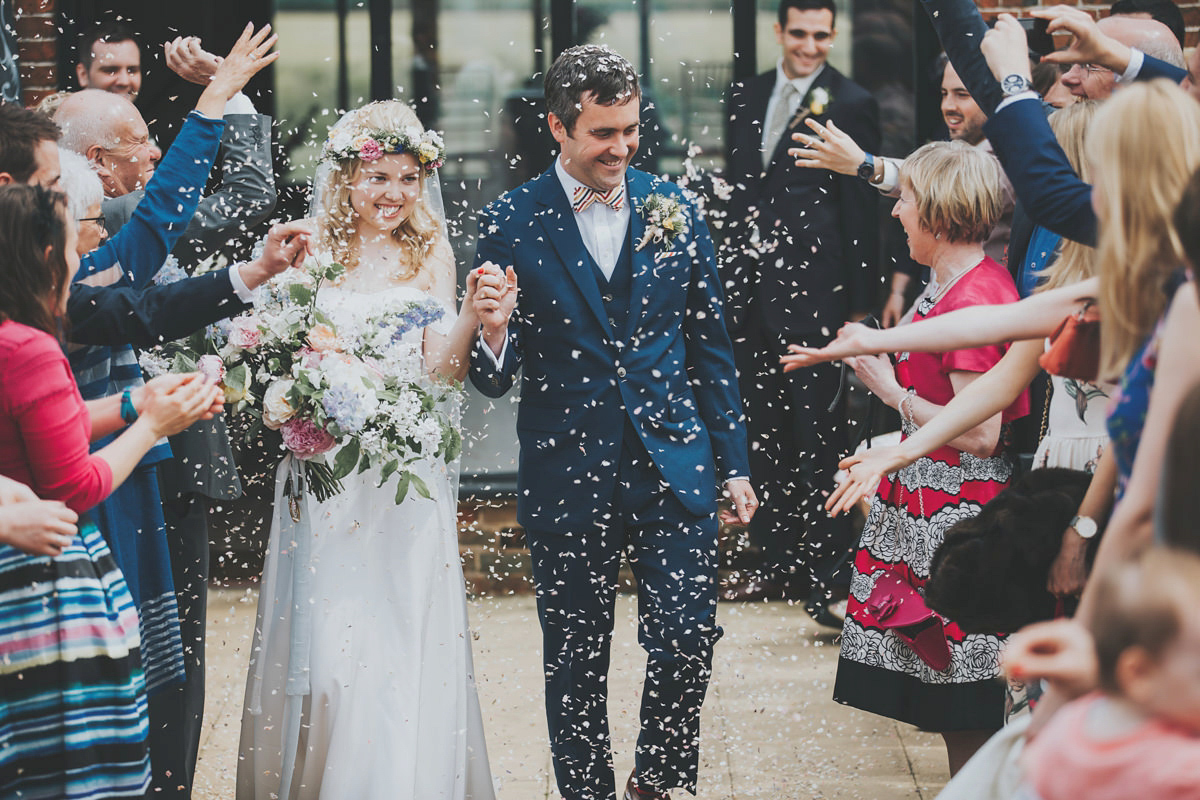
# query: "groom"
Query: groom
629,423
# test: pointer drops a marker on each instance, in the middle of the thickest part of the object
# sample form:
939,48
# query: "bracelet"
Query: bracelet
129,414
909,395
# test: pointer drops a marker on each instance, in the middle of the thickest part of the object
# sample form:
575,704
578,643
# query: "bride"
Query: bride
364,689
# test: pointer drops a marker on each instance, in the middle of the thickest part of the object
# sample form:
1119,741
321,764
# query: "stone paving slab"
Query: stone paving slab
770,728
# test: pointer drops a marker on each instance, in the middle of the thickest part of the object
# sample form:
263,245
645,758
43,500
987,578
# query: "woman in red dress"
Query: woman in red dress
897,658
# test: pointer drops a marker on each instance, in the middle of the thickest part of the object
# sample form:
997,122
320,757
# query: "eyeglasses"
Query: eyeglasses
99,220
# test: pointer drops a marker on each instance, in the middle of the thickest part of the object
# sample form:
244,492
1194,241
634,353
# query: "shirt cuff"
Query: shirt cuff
1136,59
1008,101
243,292
239,104
891,176
497,360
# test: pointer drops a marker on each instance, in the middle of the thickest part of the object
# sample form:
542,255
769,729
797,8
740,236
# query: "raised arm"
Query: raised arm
1036,316
497,354
978,401
449,354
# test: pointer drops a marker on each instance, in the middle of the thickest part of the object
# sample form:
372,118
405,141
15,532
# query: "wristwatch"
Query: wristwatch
866,170
1085,526
1014,84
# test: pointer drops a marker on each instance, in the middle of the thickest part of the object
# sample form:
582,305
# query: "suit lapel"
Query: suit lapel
637,189
558,220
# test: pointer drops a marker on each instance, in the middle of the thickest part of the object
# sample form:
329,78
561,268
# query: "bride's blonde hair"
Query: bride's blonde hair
338,221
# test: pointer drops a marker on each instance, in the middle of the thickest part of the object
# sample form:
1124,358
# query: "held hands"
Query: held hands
852,340
492,292
863,473
1006,48
830,149
745,503
170,403
34,526
249,56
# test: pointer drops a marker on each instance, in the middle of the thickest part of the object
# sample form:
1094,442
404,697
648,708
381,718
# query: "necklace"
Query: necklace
941,290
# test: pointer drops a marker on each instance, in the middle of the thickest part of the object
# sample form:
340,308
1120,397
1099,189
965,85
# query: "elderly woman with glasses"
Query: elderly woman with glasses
918,667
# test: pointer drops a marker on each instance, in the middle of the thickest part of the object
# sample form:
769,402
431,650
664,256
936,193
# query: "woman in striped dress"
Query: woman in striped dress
72,693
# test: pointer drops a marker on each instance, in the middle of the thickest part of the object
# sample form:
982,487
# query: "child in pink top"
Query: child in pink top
1138,737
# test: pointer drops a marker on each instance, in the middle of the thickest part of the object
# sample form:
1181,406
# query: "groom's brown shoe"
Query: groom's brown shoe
632,792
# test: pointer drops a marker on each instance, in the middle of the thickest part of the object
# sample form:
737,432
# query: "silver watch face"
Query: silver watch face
1084,526
1014,84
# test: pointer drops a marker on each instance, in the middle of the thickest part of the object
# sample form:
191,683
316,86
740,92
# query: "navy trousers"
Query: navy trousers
673,555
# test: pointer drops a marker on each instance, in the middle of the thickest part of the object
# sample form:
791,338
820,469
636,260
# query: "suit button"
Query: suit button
620,372
608,298
612,322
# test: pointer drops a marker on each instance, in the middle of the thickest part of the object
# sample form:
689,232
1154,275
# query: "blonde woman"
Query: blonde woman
936,677
391,708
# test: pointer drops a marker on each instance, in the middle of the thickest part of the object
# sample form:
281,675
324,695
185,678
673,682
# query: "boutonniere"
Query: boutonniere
819,100
664,218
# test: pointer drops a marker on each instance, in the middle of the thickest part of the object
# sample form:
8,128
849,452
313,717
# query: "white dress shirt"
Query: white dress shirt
602,229
802,86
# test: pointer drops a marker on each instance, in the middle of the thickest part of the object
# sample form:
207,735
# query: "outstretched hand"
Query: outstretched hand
863,472
187,58
1060,652
1089,44
852,340
1006,48
288,245
830,149
249,56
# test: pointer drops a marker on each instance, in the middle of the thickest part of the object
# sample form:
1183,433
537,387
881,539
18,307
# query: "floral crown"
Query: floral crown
371,145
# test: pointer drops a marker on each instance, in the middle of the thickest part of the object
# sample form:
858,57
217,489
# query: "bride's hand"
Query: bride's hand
863,473
852,340
493,294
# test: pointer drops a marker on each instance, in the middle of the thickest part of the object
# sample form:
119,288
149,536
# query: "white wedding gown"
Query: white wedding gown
391,709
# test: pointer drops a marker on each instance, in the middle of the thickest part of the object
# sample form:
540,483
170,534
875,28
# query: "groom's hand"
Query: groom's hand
745,503
494,298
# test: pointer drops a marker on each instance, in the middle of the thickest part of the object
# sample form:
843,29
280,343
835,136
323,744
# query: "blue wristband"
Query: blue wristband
128,412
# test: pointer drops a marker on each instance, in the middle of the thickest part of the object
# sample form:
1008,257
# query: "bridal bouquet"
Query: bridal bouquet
353,386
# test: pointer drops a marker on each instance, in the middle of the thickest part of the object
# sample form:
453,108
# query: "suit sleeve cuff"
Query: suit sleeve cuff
1136,59
497,360
243,292
1008,101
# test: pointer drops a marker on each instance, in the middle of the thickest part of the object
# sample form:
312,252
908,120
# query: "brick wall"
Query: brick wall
37,47
1190,9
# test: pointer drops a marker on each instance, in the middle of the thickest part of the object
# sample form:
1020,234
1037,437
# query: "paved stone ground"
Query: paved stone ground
770,729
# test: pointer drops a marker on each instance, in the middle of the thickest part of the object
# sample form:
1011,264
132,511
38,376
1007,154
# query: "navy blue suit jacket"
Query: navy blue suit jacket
120,315
670,373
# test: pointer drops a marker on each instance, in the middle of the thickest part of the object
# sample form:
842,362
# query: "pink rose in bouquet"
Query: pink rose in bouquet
305,439
212,368
244,333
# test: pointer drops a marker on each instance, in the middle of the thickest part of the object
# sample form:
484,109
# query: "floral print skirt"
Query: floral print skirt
907,522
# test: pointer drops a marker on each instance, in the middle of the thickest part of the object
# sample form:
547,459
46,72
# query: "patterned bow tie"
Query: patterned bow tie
584,197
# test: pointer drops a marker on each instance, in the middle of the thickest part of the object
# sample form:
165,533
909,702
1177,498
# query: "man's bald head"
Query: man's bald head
108,130
1088,81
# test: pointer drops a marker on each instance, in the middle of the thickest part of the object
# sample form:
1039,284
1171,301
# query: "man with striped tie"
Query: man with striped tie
630,422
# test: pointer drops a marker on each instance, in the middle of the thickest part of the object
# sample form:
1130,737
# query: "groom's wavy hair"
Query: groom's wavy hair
588,69
416,236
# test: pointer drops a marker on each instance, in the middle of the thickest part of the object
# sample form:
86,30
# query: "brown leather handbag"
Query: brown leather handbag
1074,350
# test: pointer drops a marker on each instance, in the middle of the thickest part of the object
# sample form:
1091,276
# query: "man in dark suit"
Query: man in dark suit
629,421
800,261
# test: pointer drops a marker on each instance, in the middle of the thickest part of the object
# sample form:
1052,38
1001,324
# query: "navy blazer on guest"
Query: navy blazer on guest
121,315
669,373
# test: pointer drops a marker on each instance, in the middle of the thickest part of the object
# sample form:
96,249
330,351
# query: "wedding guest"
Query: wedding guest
948,202
110,60
1139,735
802,260
75,624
